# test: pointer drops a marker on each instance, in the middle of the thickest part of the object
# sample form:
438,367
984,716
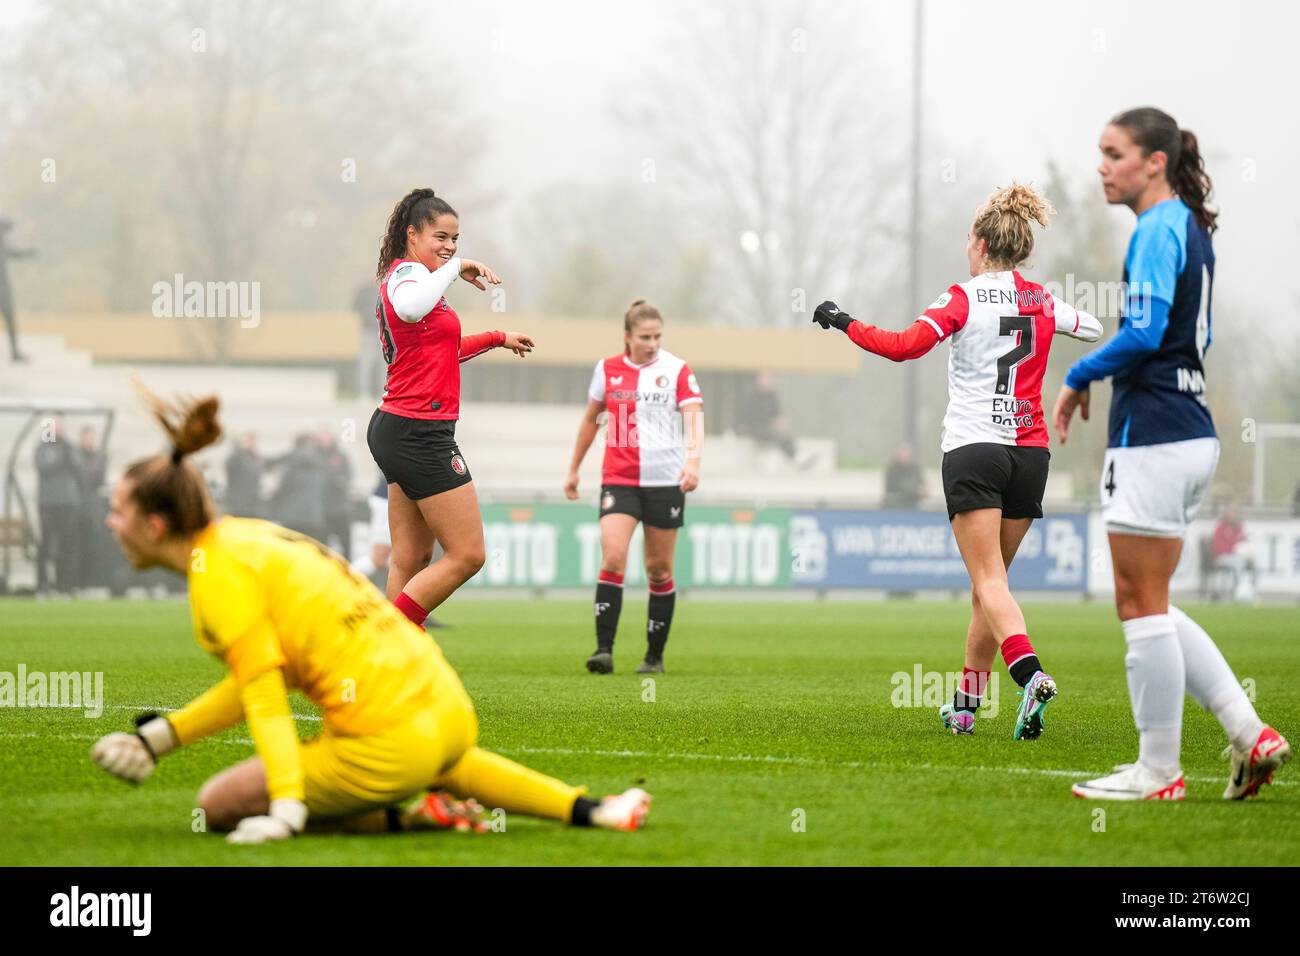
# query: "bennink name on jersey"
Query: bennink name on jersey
1020,298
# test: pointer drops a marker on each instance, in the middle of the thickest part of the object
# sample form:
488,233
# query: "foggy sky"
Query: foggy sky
1009,85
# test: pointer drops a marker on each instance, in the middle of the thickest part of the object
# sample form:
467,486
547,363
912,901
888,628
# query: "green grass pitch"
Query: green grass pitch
773,739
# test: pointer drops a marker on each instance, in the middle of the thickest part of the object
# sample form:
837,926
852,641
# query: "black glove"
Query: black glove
828,314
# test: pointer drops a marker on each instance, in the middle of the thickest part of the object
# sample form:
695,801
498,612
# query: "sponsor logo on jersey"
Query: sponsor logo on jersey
661,381
1191,380
607,501
616,380
402,270
648,398
458,464
693,383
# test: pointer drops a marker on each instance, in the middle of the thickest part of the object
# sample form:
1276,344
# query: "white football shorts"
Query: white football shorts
1156,490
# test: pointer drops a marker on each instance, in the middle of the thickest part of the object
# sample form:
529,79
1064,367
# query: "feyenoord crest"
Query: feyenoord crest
458,464
662,381
607,501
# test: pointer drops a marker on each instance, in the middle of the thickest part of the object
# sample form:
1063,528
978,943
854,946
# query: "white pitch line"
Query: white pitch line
813,762
315,718
671,755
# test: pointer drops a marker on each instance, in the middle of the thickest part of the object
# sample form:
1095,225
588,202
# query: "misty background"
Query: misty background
734,163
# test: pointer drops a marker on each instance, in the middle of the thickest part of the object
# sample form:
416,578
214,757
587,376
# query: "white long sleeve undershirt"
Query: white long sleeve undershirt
415,293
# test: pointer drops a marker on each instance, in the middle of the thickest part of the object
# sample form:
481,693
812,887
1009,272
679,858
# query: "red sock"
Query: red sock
1015,647
412,610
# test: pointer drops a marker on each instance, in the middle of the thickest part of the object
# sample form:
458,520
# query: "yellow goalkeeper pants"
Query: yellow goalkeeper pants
433,749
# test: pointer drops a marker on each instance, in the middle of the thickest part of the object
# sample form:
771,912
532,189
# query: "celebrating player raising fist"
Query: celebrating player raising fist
994,438
412,435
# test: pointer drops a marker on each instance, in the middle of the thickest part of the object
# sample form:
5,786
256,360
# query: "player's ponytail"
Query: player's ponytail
1152,129
416,208
1192,183
168,485
1004,222
639,311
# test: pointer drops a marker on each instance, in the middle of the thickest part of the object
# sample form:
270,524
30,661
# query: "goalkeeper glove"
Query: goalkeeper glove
132,756
286,818
828,314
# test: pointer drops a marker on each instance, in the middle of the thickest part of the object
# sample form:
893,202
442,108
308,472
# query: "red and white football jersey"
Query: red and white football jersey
424,357
1001,327
644,436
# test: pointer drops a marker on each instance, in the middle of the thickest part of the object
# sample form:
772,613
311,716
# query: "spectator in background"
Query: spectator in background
763,422
244,479
91,461
58,500
1229,550
371,368
92,464
904,481
8,252
762,419
338,492
299,499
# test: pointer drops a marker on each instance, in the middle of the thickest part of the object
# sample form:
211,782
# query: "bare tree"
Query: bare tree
767,125
239,121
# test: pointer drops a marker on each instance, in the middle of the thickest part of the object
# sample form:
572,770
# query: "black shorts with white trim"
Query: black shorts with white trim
660,507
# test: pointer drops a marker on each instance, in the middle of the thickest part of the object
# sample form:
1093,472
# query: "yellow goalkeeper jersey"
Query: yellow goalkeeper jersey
264,597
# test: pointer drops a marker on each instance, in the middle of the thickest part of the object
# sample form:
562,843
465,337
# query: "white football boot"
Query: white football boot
1132,781
1253,768
624,811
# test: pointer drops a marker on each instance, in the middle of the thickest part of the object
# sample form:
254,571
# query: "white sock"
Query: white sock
1155,688
1212,684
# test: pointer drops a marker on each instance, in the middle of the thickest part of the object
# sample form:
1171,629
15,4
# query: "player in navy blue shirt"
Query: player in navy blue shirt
1160,459
1155,359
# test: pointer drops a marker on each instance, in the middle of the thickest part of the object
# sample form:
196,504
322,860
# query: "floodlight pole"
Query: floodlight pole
914,239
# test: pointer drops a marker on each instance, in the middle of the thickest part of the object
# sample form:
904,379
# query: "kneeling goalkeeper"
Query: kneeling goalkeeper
283,612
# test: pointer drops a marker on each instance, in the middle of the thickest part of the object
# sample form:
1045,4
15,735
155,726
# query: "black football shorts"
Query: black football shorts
989,475
419,455
656,507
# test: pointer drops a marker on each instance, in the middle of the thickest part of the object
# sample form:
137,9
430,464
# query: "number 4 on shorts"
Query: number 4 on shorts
1110,479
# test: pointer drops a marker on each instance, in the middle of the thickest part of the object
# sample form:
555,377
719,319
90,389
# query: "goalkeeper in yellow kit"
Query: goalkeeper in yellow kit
282,612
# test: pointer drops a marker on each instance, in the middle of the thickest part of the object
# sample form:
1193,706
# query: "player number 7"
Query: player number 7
1024,347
